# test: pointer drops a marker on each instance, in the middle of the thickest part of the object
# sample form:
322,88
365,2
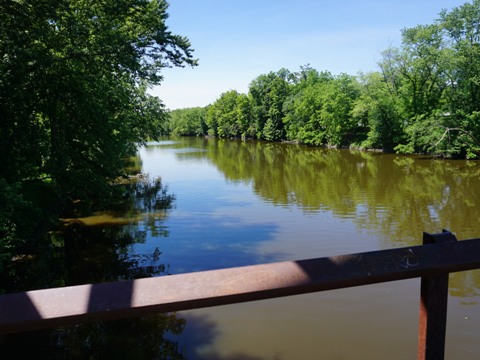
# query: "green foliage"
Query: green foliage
425,98
302,120
229,115
222,115
74,76
268,93
437,84
74,102
10,203
320,112
377,110
188,122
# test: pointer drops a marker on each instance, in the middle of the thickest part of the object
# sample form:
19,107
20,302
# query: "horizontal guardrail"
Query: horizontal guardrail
50,308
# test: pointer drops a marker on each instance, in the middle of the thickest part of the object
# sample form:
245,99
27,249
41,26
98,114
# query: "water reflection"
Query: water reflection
98,248
397,197
140,338
392,198
248,202
239,203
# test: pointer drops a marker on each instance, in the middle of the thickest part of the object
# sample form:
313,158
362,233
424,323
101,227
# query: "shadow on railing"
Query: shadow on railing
439,255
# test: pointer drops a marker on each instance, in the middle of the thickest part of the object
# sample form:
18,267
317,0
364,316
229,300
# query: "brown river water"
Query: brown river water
233,203
240,203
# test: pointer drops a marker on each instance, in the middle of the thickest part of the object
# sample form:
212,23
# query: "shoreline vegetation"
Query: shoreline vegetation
424,99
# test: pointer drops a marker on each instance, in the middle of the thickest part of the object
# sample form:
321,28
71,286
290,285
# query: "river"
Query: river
240,203
232,203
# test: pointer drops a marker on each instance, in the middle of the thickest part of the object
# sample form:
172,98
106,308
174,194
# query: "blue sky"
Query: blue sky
236,41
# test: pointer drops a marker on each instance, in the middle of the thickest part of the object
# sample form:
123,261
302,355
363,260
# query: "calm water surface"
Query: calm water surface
242,203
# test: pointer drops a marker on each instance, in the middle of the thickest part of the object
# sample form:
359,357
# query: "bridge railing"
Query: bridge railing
439,255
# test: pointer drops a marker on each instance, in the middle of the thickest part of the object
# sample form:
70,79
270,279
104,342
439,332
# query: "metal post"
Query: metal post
433,307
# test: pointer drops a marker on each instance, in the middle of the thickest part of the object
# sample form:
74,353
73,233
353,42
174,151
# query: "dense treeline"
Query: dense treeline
74,105
425,98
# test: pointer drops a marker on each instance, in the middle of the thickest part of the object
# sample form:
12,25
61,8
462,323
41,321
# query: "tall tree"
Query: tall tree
74,76
435,77
222,116
268,93
378,110
320,113
189,122
230,116
462,125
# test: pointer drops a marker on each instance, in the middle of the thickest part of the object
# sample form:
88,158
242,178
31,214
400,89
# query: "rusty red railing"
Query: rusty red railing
439,255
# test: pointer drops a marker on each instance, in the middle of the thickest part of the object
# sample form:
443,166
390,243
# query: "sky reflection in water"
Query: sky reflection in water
247,203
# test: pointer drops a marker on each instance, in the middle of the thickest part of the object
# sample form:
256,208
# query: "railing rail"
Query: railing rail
440,255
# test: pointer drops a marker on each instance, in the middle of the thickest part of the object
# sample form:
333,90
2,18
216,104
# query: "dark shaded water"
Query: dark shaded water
232,203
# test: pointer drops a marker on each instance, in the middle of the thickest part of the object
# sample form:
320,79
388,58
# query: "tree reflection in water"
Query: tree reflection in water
394,197
98,248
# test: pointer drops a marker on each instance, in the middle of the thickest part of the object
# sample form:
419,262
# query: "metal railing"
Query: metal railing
439,255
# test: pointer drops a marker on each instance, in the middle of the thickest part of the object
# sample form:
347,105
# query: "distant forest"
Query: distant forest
424,99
